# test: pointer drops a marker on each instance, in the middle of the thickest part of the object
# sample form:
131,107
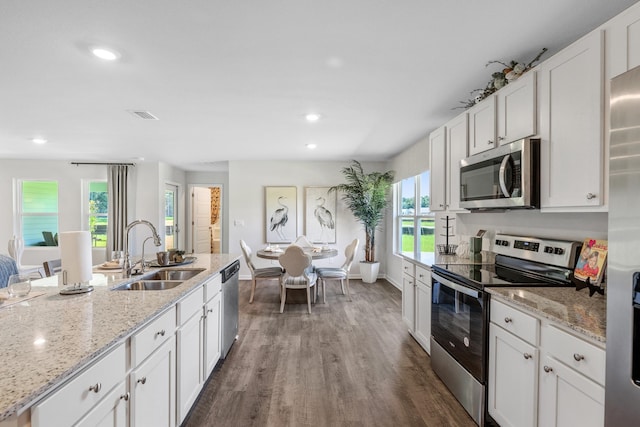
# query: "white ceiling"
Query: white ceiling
233,79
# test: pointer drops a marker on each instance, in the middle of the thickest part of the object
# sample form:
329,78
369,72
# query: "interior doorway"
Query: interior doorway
206,219
171,216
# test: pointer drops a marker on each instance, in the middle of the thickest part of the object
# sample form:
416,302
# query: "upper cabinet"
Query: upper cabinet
482,126
516,106
457,138
571,126
438,169
623,42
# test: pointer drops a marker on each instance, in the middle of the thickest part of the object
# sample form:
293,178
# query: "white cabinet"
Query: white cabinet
423,308
571,381
152,382
438,170
516,109
111,411
447,145
482,126
88,391
513,367
212,325
189,341
571,126
408,295
623,42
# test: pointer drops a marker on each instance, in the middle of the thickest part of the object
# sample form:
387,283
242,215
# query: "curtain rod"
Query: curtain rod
105,164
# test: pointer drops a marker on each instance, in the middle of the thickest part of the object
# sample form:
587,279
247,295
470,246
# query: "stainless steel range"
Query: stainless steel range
459,308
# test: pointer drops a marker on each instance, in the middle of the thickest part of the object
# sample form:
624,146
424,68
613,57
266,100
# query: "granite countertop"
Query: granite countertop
46,339
574,309
430,258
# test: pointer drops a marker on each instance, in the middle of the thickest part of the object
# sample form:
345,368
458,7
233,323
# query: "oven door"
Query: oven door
458,323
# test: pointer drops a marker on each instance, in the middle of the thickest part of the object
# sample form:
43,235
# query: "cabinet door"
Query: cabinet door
516,105
110,412
482,126
212,330
513,373
189,367
568,398
408,301
438,169
423,315
152,386
623,42
457,141
571,126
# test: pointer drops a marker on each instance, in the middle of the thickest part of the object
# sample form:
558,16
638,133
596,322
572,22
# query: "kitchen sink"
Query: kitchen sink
149,285
161,280
174,274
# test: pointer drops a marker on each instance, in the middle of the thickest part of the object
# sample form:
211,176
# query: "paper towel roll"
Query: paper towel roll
75,250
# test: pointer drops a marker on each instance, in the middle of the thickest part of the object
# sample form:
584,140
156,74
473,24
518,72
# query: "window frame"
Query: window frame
20,214
86,209
415,218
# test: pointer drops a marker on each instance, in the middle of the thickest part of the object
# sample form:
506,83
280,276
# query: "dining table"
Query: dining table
316,253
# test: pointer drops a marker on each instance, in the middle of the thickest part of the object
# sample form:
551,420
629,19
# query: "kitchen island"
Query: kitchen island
46,340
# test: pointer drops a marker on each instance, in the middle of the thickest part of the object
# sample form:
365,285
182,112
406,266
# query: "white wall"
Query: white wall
247,219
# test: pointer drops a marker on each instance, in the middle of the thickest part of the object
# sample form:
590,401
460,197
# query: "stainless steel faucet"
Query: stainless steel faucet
126,267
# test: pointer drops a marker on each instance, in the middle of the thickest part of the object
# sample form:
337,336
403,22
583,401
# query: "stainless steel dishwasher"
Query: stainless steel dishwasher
229,306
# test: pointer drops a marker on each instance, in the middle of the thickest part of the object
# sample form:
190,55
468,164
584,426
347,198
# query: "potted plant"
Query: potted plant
367,196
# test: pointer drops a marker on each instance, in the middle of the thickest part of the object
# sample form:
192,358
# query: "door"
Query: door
171,216
408,301
201,220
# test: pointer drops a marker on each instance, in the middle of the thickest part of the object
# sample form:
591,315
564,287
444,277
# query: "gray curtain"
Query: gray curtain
117,213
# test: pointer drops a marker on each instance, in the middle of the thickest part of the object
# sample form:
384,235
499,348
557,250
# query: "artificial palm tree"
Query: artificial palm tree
367,196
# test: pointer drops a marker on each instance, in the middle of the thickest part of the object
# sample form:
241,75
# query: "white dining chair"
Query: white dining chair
339,273
297,274
266,273
16,249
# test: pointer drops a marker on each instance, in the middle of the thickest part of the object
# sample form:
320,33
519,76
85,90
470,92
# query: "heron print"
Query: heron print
320,215
280,214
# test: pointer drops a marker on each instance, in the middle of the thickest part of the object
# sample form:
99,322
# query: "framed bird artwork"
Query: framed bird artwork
320,214
281,211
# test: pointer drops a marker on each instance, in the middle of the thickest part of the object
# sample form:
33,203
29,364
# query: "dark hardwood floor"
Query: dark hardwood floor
345,364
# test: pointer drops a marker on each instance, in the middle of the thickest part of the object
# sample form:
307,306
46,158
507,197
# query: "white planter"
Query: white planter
369,271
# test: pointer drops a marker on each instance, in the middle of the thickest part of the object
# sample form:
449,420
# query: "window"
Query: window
96,212
415,221
38,212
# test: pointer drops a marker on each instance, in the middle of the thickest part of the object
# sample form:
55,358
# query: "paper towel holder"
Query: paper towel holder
73,288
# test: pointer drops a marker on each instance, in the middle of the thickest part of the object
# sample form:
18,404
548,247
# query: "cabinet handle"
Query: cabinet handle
95,388
507,320
489,142
441,205
501,138
210,310
547,369
143,380
125,396
420,276
578,357
591,196
161,333
527,356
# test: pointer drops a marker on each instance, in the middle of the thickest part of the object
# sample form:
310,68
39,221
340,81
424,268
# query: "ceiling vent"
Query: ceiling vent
145,115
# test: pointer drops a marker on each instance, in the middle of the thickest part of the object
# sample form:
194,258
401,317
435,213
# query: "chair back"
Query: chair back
8,267
294,261
246,251
303,242
52,267
16,248
349,253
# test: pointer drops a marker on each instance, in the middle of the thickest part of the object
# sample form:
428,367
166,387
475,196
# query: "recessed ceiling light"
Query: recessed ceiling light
39,141
104,53
311,146
312,117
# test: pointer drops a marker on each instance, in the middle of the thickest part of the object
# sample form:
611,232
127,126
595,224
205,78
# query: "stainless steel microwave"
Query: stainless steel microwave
507,177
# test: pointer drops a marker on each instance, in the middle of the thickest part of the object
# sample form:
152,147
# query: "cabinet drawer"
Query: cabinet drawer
408,268
515,321
582,356
152,336
423,275
190,305
213,287
67,405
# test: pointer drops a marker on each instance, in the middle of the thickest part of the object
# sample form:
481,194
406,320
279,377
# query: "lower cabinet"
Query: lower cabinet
111,411
540,374
212,329
408,301
152,386
422,332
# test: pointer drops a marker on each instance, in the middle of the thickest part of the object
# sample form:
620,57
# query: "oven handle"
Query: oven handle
502,177
460,288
